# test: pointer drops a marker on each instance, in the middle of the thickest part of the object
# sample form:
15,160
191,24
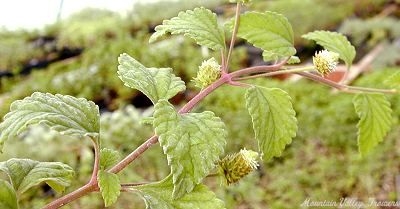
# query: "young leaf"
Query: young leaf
375,120
155,83
334,42
199,24
273,118
108,158
192,143
109,187
269,31
65,114
26,173
8,198
293,60
159,195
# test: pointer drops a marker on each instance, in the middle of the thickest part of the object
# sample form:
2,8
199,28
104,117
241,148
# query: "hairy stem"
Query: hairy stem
344,88
257,69
133,184
87,188
96,163
280,72
233,39
203,93
223,67
133,155
80,192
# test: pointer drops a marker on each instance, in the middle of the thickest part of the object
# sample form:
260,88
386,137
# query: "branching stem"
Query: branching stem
345,88
233,39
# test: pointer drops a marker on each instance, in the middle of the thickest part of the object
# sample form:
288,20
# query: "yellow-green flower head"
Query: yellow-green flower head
325,61
209,71
235,167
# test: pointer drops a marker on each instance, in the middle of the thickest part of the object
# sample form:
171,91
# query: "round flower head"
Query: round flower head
209,71
235,167
325,61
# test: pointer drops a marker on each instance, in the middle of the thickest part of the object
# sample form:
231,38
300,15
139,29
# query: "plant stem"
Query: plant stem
203,93
295,70
344,88
89,187
96,164
257,69
133,155
133,184
223,67
233,39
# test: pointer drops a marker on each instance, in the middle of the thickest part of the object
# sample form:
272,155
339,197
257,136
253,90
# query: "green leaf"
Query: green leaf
159,195
393,81
199,24
108,158
192,143
375,120
155,83
26,173
269,31
8,198
109,187
273,118
65,114
334,42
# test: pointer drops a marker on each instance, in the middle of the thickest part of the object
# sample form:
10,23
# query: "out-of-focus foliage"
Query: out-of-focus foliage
140,14
373,31
16,47
88,27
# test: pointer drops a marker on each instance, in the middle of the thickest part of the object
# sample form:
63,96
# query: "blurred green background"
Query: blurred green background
78,56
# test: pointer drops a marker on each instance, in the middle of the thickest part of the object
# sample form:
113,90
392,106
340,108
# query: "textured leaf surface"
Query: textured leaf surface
155,83
269,31
109,187
159,195
192,143
375,120
273,118
334,42
65,114
108,158
26,173
199,24
8,198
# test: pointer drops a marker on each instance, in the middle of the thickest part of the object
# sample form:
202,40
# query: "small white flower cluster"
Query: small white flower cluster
325,61
250,157
209,71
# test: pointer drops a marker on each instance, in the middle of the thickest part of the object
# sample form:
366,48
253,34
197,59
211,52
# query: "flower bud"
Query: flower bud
235,167
209,71
325,61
